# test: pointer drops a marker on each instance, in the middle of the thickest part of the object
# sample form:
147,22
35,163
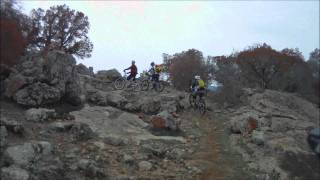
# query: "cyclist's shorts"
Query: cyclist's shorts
201,92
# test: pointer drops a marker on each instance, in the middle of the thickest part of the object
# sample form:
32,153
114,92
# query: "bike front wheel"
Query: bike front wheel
119,83
191,100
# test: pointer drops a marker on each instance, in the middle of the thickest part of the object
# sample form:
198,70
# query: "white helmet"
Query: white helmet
197,77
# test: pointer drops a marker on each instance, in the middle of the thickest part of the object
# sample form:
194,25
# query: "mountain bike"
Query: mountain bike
122,83
145,84
198,103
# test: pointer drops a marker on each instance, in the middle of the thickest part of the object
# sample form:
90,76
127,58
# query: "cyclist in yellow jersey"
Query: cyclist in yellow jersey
198,87
155,73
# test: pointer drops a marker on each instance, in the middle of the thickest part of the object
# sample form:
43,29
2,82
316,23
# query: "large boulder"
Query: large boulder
14,173
285,105
44,79
25,154
114,99
244,123
150,105
108,75
164,120
81,131
132,107
82,69
279,122
37,94
91,169
145,166
90,84
12,125
39,114
20,154
98,98
116,126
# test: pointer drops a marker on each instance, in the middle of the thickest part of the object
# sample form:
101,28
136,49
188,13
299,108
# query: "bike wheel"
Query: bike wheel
144,85
202,106
191,100
119,83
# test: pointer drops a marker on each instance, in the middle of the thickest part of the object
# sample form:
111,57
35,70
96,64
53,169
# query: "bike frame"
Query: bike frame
125,76
196,101
128,82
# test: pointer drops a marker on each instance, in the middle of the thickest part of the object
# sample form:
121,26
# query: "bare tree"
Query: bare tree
314,62
184,66
261,64
61,28
13,38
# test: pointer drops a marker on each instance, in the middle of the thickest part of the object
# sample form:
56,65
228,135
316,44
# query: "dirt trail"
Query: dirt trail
214,154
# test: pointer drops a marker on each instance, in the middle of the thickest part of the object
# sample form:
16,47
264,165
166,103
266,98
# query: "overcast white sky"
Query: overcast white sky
141,30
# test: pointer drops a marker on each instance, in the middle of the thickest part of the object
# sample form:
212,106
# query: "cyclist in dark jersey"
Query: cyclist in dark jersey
133,71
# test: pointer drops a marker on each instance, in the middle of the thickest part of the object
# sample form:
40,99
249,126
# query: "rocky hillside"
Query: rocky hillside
271,134
61,121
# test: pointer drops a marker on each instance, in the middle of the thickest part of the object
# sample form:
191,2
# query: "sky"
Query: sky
122,31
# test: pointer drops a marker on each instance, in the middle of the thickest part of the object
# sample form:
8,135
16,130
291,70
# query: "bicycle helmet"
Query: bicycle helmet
197,77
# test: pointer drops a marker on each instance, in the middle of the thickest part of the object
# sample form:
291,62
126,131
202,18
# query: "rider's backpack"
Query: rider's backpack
158,69
201,83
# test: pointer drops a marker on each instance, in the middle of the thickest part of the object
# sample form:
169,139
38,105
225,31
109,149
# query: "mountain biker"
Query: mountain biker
197,87
155,73
133,71
152,69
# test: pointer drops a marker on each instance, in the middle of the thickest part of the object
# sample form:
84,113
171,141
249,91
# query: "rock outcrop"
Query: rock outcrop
25,154
165,120
274,124
14,173
39,114
108,75
109,122
82,69
44,79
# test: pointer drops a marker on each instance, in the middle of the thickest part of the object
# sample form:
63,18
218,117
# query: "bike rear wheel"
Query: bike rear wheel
119,83
202,106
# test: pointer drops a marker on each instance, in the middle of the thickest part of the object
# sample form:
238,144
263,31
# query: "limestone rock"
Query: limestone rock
14,173
150,106
39,114
108,75
20,154
145,166
40,80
